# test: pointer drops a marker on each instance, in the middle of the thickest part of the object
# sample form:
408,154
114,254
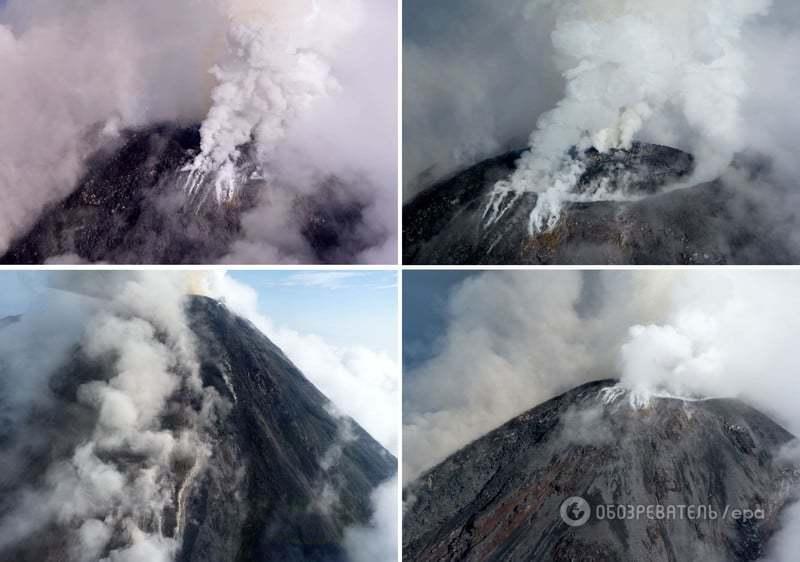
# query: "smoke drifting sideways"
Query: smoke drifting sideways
286,78
130,325
709,78
517,339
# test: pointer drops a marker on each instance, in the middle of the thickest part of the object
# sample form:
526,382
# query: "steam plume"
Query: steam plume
628,63
516,339
270,74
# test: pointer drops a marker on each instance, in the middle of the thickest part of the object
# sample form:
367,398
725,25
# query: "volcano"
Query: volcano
257,498
501,497
130,207
708,224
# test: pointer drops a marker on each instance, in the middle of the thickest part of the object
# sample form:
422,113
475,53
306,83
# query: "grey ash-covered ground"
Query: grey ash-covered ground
256,500
719,222
130,208
499,498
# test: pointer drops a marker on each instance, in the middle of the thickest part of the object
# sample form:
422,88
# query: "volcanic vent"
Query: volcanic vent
500,497
623,210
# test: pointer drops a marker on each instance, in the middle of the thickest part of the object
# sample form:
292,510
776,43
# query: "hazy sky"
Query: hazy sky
344,308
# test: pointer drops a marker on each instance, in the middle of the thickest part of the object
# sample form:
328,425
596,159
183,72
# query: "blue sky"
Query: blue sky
344,308
19,290
425,298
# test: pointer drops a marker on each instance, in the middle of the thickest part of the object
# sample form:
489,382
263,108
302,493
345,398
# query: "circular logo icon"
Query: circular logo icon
575,511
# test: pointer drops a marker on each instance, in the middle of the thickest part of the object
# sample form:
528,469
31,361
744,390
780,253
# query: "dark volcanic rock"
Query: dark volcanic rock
257,497
130,208
500,497
703,224
268,453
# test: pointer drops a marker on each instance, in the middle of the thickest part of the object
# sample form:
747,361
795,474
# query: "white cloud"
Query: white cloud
362,383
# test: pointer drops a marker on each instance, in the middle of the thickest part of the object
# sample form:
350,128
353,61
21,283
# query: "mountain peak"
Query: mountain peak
500,497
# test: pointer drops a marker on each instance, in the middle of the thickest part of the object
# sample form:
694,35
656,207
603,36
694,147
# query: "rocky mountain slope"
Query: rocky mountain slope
285,478
130,208
706,224
500,497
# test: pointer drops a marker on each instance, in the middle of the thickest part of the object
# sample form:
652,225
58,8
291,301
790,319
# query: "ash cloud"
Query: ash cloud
288,78
515,339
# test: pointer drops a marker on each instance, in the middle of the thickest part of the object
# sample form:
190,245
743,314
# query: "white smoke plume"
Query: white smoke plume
628,63
714,79
378,540
254,73
516,339
273,70
113,510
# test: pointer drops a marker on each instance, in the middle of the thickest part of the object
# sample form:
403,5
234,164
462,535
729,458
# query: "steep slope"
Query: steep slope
445,224
279,430
285,478
500,497
130,208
